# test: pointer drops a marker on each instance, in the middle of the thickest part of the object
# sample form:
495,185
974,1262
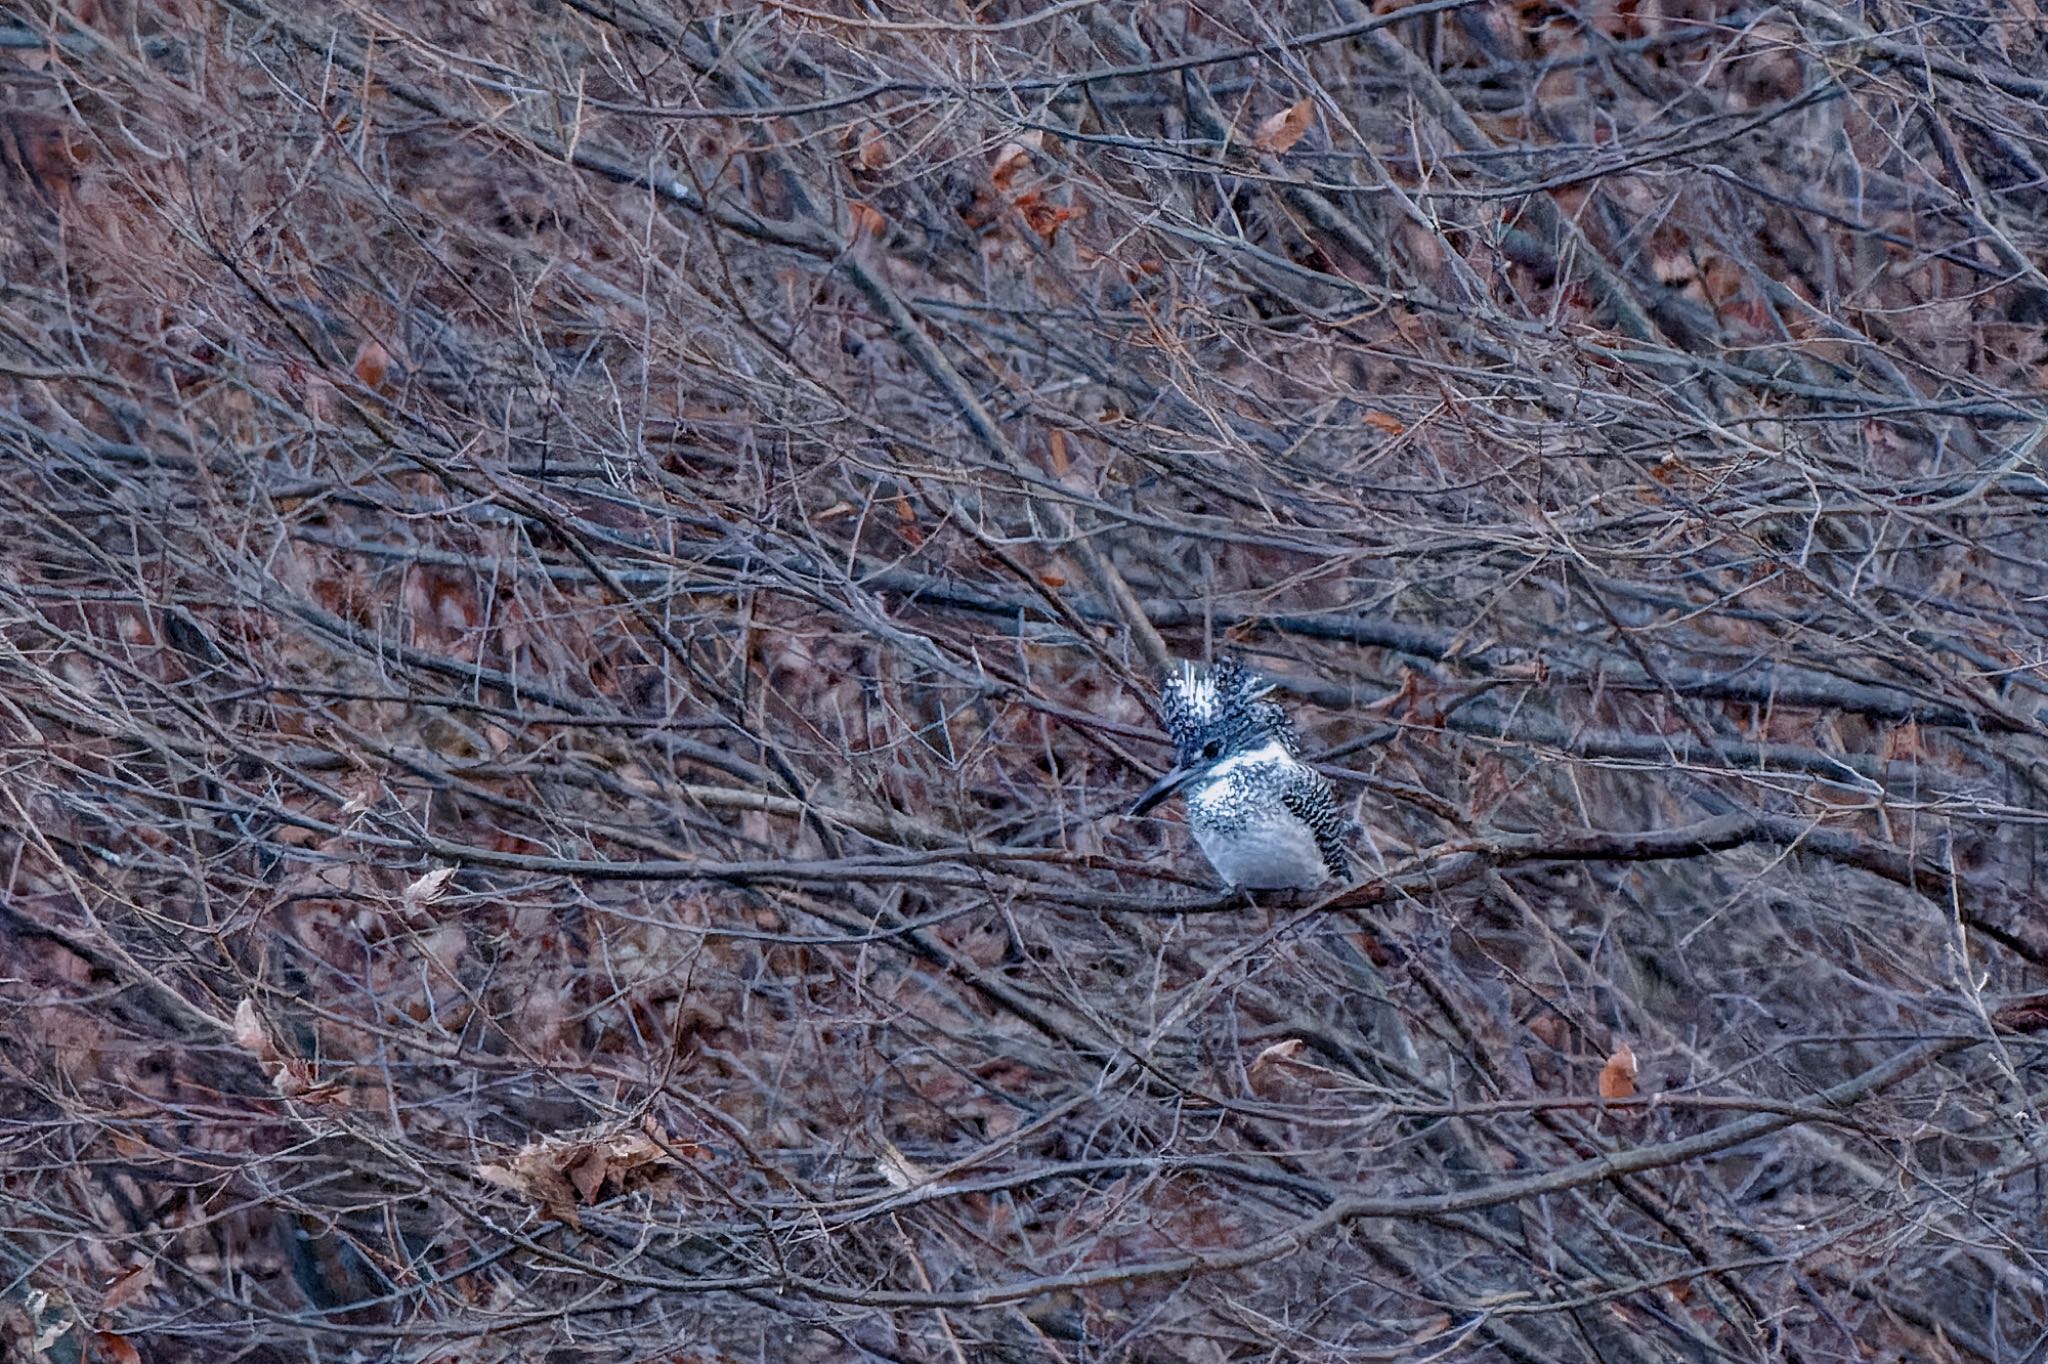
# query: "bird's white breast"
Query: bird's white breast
1269,850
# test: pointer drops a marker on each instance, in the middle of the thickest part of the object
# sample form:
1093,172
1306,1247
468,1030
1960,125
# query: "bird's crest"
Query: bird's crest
1221,709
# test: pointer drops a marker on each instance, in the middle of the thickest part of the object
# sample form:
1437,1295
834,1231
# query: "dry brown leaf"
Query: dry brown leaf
560,1172
531,1174
631,1150
874,150
490,1172
372,364
1902,745
250,1034
1277,1054
114,1349
127,1287
981,210
292,1078
900,1170
1012,158
1284,1067
2024,1015
1618,1076
1278,132
428,888
1045,218
548,1188
1432,1329
586,1173
907,522
1056,448
867,220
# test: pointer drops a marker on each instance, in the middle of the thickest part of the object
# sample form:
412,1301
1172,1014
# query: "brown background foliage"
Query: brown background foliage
580,589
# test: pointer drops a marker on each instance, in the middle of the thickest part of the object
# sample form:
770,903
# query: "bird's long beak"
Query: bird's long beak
1163,788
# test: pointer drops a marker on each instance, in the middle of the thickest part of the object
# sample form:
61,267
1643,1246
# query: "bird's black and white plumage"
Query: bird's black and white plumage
1263,817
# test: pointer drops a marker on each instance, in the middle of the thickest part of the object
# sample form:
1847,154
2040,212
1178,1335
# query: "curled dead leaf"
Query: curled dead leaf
2023,1015
1056,448
1283,1069
428,888
127,1286
562,1171
546,1185
874,150
1277,1054
372,364
1618,1076
1012,158
586,1173
504,1176
899,1170
907,523
292,1078
1277,133
1045,218
250,1034
867,220
114,1348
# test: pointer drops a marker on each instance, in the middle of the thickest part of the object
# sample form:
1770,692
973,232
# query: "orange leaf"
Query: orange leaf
1276,1068
980,210
372,364
127,1287
1056,446
1013,158
114,1349
1277,132
1045,218
873,151
867,221
1385,422
1618,1076
1277,1054
906,521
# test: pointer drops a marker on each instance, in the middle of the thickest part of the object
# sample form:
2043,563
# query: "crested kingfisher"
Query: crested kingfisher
1264,818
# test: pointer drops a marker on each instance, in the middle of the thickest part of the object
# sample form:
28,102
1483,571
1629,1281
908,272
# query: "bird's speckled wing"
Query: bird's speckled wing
1309,796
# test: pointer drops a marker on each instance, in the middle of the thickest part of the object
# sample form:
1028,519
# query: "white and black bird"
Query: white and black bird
1264,818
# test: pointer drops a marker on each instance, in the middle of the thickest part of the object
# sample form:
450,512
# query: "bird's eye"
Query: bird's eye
1212,748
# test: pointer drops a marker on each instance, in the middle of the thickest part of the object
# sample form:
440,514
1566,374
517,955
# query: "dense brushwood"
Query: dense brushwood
581,592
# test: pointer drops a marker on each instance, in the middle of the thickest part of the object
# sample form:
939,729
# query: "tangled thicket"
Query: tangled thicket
582,585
